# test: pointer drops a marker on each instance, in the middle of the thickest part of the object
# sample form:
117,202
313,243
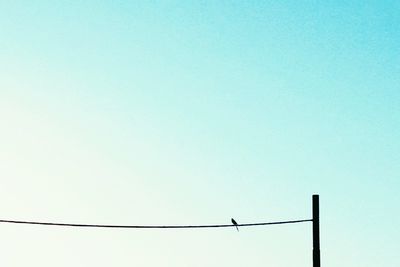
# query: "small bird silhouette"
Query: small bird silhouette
235,224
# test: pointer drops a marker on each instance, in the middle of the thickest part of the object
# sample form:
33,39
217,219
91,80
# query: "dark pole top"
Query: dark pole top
316,242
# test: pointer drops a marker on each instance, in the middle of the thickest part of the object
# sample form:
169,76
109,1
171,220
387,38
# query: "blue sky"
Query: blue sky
173,112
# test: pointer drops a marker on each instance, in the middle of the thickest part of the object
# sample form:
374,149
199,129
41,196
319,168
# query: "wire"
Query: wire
150,226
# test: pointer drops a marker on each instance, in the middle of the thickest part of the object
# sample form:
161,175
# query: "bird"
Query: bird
235,224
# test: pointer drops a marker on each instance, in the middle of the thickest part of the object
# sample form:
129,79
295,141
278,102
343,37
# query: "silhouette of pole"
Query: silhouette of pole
315,220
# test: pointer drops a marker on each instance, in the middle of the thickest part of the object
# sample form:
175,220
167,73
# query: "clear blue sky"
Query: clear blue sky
178,112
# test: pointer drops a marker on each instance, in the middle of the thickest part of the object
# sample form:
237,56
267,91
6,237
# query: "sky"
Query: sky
193,112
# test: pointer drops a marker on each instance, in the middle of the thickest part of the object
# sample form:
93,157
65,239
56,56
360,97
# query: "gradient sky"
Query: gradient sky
178,112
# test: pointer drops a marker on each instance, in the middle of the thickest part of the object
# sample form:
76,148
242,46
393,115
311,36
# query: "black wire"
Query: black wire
151,226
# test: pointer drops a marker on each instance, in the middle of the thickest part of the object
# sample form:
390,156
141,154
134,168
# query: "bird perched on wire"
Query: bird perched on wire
235,224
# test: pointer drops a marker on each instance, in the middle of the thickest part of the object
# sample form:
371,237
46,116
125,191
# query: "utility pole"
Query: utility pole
315,221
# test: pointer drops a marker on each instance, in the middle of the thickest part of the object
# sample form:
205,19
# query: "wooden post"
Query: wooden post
316,244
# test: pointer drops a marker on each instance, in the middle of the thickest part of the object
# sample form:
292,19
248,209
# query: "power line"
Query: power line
150,226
